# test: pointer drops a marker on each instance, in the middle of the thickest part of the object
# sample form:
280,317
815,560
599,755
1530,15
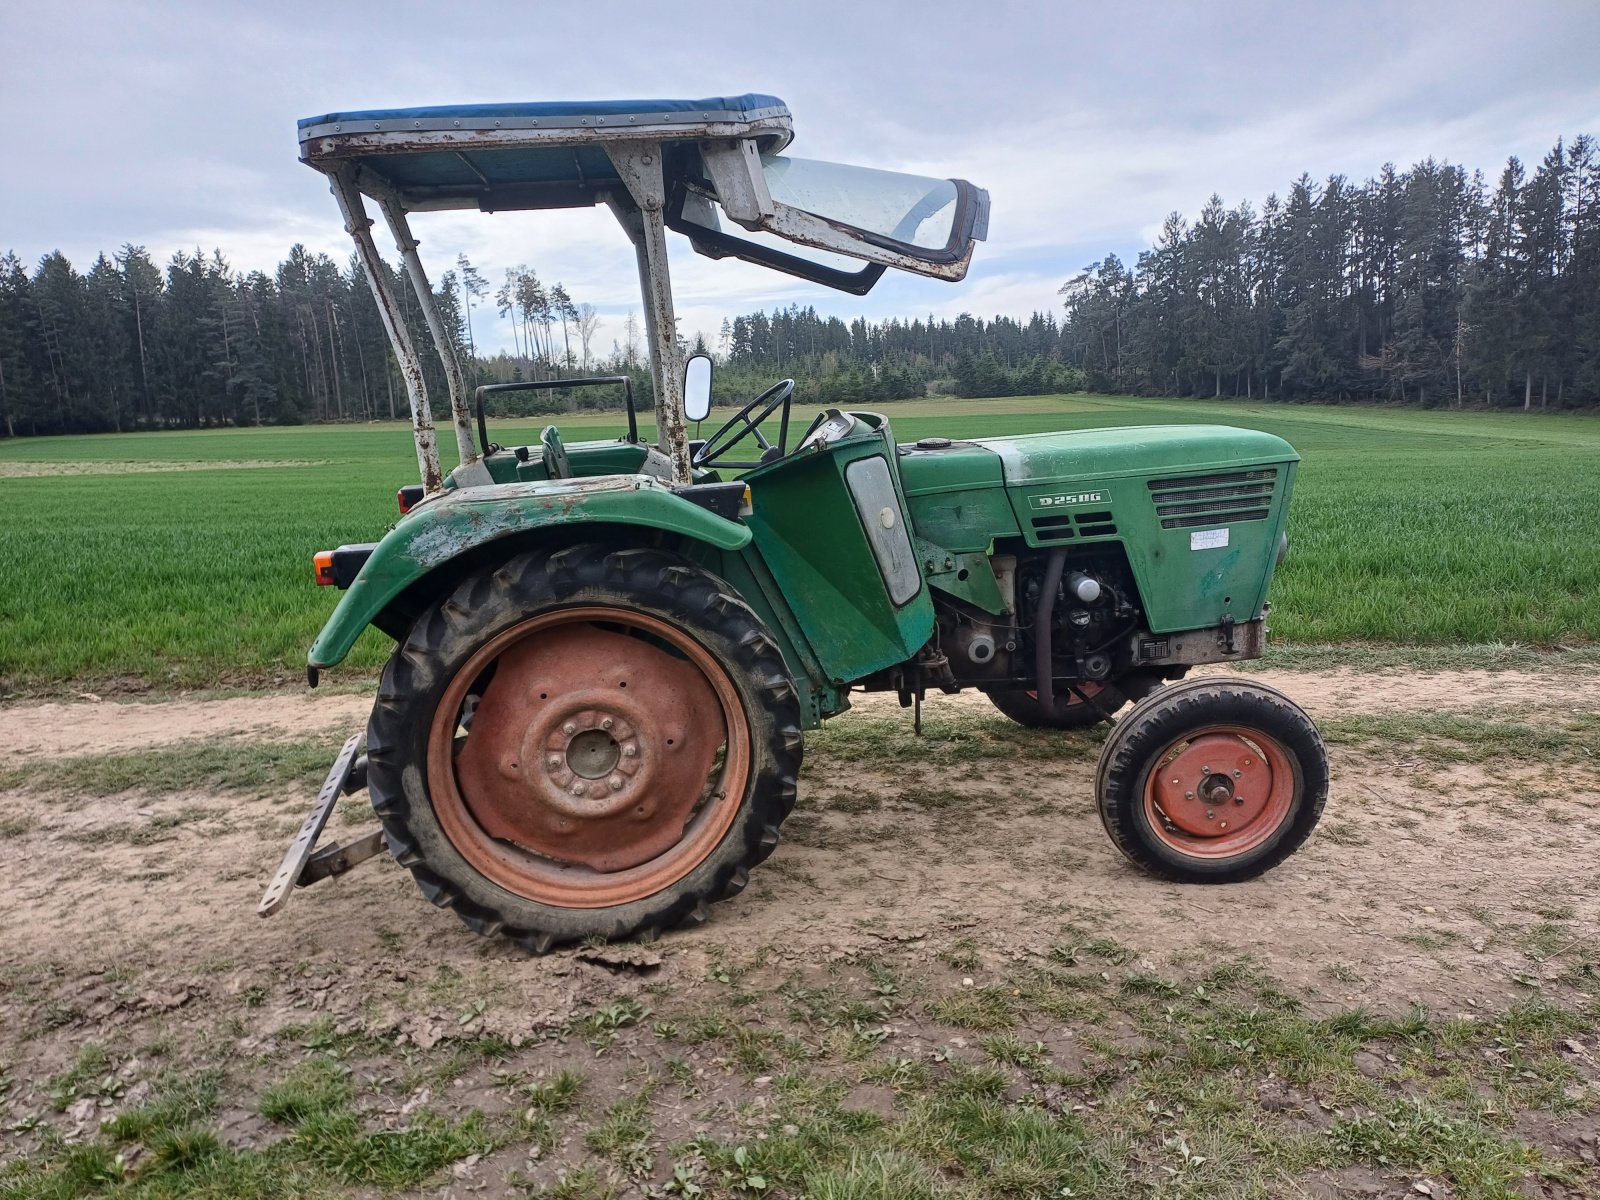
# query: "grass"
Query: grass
1472,737
326,1149
235,765
1407,527
1071,1075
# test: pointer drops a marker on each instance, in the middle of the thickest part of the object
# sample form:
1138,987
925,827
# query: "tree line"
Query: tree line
132,345
1422,286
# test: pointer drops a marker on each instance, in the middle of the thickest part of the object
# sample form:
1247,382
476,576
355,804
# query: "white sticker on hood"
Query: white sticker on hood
1208,539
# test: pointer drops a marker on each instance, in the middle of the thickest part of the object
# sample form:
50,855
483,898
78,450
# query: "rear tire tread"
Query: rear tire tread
421,668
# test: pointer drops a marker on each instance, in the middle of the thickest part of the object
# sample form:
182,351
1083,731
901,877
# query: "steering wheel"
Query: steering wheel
555,454
746,423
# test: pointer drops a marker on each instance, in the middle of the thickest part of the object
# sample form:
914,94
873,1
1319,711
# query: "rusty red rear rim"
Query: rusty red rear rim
1079,690
1220,791
570,790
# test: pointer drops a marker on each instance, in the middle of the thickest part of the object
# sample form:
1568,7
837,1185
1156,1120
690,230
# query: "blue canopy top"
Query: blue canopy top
550,114
531,155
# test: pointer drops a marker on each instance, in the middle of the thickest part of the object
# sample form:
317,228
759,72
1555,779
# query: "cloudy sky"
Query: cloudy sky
172,123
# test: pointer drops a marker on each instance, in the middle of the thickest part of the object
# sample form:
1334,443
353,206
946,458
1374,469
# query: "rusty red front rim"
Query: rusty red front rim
507,810
1220,791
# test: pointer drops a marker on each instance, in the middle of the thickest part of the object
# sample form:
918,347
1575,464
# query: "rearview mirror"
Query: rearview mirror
697,387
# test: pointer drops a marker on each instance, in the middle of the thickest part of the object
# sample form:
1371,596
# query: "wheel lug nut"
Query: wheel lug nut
1237,774
630,751
554,760
1210,816
1205,770
1238,800
607,723
569,729
577,789
1188,795
616,783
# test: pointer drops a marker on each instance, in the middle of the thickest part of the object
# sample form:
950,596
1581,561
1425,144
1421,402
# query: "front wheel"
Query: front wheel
1212,781
593,743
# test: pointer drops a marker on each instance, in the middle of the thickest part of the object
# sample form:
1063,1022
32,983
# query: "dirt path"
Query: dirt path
1453,884
57,729
1425,882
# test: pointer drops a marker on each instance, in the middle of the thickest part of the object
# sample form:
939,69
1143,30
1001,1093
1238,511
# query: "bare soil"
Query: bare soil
93,726
1418,880
1457,886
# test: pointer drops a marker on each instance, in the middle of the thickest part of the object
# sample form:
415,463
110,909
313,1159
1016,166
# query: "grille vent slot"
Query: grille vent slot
1094,524
1060,527
1214,499
1057,527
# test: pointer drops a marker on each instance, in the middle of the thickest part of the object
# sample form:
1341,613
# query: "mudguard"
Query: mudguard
450,525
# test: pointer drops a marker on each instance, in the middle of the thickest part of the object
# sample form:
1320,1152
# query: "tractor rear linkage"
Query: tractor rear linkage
301,867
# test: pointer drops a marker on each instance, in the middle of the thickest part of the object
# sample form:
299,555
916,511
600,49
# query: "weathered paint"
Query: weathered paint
1182,584
639,166
747,573
811,539
1135,451
966,575
359,226
441,529
956,496
461,417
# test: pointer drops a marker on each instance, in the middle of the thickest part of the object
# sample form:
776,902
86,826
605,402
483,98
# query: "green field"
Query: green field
183,559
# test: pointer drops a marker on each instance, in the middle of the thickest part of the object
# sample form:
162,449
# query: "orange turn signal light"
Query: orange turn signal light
322,560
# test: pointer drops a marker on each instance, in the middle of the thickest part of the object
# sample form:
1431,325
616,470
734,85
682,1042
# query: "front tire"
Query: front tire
526,788
1212,781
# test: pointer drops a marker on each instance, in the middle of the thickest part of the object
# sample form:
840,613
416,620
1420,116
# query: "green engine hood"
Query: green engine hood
1199,509
1142,450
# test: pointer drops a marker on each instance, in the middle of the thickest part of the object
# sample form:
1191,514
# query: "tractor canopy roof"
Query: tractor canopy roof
721,158
505,156
683,165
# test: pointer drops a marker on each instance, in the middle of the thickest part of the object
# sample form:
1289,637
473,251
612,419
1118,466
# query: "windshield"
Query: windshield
913,209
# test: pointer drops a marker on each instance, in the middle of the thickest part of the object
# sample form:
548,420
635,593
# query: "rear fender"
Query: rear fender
465,529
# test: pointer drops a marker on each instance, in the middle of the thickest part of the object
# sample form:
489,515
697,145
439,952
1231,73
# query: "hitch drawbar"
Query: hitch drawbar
303,868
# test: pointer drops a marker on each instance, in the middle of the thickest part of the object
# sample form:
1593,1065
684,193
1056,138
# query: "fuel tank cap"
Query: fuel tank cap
933,443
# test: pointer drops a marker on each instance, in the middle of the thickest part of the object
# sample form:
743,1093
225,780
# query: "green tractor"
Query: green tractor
608,653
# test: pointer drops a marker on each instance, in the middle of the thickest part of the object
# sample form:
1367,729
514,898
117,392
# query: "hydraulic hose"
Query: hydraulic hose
1043,621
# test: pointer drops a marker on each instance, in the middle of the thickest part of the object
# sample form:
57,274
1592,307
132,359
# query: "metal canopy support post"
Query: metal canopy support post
639,165
471,472
359,226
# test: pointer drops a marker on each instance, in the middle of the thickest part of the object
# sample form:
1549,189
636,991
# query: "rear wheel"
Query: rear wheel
594,743
1212,781
1070,711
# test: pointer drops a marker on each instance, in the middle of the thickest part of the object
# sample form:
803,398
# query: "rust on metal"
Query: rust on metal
1221,791
589,773
325,150
461,416
294,862
639,165
359,226
336,860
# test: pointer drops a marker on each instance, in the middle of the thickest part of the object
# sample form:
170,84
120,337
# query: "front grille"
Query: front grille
1214,499
1060,527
